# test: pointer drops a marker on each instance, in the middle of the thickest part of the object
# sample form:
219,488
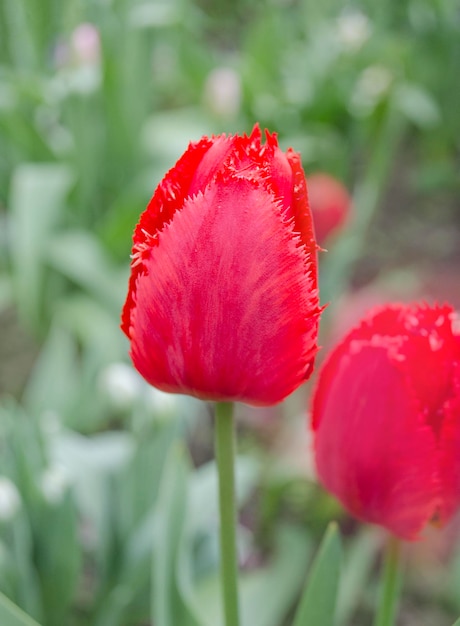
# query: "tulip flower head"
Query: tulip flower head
386,418
223,300
330,204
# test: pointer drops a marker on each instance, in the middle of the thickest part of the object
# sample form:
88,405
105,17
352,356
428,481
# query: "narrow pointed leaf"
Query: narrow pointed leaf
12,615
358,562
318,602
168,608
267,594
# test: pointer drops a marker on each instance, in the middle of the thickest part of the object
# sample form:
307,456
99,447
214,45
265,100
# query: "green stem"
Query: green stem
225,457
390,584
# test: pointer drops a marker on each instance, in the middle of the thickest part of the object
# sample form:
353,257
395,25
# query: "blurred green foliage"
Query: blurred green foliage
98,98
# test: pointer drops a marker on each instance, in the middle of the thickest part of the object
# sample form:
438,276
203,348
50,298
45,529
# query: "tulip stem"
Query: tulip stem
225,457
390,584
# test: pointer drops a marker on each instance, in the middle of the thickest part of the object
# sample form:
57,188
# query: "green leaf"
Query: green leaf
457,623
52,384
418,105
12,615
80,256
168,608
22,460
358,563
58,555
453,581
318,602
202,594
134,521
268,594
90,462
38,193
203,502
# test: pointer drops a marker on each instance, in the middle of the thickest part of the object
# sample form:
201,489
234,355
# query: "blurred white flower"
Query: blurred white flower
86,44
375,80
83,80
153,14
124,387
58,136
10,500
222,92
372,85
160,401
121,384
353,30
54,482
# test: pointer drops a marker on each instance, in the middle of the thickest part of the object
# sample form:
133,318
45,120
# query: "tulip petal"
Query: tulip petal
168,197
211,162
300,210
427,351
231,322
373,450
449,448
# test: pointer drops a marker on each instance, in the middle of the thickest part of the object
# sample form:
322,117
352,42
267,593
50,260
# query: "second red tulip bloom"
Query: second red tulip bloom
386,416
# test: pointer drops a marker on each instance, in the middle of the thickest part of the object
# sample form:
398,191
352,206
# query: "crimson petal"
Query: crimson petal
373,450
221,321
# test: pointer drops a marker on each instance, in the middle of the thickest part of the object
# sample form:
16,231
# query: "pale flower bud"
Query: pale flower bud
222,92
121,384
86,44
10,500
353,30
54,482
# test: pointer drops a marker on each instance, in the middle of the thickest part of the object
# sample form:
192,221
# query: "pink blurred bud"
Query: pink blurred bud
86,43
329,202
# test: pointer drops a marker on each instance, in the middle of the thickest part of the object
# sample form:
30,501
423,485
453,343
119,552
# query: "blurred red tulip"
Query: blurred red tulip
330,204
386,418
223,300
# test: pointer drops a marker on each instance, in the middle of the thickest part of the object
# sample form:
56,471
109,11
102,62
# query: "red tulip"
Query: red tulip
223,299
330,204
386,417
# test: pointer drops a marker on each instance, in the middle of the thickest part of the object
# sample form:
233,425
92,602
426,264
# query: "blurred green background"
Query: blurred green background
101,476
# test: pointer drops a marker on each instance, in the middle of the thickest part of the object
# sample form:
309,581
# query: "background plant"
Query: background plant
97,99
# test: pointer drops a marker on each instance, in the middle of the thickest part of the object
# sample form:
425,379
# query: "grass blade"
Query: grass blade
12,615
318,602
